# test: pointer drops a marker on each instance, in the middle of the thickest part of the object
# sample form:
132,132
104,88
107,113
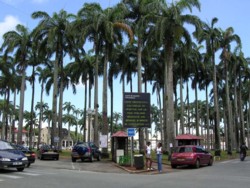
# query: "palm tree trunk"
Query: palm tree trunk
20,124
188,109
32,109
54,105
104,105
60,114
228,114
236,115
85,112
216,109
4,125
248,140
242,126
40,116
13,119
96,105
89,115
197,112
182,106
207,120
139,74
169,93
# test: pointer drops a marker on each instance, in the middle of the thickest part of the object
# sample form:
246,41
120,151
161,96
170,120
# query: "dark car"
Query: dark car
48,152
85,150
27,152
10,157
191,155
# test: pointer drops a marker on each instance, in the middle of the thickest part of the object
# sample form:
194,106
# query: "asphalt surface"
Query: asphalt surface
104,166
107,166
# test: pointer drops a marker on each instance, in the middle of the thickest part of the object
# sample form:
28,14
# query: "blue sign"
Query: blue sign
131,131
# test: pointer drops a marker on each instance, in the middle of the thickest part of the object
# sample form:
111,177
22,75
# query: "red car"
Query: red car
191,155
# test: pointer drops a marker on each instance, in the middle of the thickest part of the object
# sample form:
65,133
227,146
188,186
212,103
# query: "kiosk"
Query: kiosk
120,145
188,139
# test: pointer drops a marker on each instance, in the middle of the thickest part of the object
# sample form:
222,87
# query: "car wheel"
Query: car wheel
197,163
82,159
73,159
91,158
57,158
174,166
210,162
41,157
20,169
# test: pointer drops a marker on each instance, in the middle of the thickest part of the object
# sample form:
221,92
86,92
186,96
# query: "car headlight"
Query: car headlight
4,159
24,159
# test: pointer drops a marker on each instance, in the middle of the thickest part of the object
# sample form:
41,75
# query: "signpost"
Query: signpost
131,133
136,110
136,114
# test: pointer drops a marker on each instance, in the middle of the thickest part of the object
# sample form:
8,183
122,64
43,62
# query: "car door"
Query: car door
200,153
94,149
204,155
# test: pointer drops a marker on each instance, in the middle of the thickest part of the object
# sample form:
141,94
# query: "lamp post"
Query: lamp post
90,112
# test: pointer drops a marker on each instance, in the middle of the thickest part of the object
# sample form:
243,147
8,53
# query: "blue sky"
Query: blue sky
231,13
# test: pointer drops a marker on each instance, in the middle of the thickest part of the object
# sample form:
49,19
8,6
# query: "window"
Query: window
185,149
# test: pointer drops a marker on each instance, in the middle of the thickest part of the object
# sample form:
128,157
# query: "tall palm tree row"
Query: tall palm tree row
148,39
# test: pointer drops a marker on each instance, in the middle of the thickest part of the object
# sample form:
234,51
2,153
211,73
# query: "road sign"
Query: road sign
131,131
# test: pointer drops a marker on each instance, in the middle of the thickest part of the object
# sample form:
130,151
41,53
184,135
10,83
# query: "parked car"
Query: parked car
48,152
10,157
27,152
85,150
191,155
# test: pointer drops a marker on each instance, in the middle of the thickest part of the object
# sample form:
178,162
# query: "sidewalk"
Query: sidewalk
131,169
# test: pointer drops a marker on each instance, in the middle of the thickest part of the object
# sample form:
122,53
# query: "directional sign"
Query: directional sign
131,132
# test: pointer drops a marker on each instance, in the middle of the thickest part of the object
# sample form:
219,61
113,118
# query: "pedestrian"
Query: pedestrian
243,151
159,156
148,155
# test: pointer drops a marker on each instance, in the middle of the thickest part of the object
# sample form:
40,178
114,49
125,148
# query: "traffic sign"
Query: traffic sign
131,131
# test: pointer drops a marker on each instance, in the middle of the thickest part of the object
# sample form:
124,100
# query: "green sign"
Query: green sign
136,110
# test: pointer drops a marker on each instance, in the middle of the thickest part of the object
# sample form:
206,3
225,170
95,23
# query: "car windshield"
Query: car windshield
184,149
5,145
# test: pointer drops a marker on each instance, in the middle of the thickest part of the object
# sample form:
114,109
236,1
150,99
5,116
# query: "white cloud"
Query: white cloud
39,1
9,23
12,2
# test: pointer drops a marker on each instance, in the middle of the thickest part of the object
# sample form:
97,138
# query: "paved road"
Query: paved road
61,174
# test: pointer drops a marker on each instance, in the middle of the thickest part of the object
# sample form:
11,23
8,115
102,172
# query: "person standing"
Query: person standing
243,151
159,156
148,156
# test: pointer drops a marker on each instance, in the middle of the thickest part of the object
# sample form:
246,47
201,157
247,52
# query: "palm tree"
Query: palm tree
48,116
89,19
20,43
44,74
114,26
170,29
210,35
41,107
68,107
6,85
137,14
53,32
227,38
